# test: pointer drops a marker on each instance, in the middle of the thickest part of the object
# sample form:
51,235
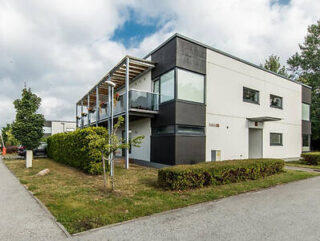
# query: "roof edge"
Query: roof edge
223,53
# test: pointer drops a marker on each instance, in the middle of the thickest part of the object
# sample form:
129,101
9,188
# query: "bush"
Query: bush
72,149
311,158
216,173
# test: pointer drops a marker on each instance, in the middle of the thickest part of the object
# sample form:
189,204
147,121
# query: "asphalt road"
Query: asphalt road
285,212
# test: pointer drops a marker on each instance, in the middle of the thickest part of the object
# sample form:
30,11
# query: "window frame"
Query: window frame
177,85
281,140
190,134
174,86
173,130
309,117
251,101
274,106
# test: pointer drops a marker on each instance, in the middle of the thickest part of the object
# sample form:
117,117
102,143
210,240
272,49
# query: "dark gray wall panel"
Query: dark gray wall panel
166,115
191,56
163,149
165,58
306,127
190,149
306,95
190,113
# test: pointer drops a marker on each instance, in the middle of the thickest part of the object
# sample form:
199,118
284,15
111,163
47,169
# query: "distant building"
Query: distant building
52,127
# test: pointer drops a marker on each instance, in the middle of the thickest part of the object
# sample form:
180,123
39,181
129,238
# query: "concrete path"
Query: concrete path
302,169
21,217
285,212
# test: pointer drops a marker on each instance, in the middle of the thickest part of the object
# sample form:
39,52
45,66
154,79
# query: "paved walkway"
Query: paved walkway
21,217
302,169
285,212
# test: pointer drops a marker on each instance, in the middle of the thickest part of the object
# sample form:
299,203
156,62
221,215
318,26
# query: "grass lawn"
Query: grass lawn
78,201
301,164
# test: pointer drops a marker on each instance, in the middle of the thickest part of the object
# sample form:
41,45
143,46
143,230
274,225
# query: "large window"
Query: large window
190,86
250,95
276,101
275,139
305,112
167,86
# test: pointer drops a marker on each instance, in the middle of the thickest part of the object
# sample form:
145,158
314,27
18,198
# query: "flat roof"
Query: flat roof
223,53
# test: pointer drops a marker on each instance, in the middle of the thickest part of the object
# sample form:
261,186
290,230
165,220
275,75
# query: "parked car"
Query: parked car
39,151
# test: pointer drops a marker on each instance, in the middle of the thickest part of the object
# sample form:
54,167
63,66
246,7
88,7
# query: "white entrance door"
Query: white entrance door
255,143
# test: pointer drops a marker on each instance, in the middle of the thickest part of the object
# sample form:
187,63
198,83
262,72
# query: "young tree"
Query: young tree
28,126
306,68
111,144
273,64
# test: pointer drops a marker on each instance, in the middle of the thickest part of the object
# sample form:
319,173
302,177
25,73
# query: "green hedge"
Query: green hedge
311,158
216,173
72,149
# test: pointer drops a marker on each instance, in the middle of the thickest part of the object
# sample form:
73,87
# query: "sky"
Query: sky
60,49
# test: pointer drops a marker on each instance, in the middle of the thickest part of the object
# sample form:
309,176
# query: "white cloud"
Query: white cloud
61,48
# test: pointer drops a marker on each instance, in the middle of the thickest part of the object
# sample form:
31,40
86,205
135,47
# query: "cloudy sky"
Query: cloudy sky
62,48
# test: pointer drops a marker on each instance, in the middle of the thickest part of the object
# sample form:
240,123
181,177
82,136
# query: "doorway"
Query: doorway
255,143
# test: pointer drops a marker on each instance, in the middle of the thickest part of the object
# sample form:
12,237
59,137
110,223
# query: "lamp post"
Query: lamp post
111,86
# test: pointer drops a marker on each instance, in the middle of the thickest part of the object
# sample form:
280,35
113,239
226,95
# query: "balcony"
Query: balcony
141,104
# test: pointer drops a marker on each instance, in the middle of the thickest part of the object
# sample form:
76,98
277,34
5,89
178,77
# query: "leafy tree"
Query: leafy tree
11,140
273,64
28,126
306,68
4,133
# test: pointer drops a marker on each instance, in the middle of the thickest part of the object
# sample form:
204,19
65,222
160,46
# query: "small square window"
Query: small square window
276,101
250,95
276,139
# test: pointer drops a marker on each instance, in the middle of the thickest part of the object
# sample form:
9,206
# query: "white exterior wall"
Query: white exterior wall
57,126
225,80
140,127
143,83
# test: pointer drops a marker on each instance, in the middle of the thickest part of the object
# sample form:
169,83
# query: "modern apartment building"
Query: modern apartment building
52,127
194,103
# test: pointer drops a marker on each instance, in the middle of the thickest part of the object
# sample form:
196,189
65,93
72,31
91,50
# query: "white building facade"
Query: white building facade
54,126
196,104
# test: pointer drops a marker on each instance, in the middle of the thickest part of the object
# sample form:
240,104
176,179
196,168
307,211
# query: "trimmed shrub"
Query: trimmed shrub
184,177
311,158
72,149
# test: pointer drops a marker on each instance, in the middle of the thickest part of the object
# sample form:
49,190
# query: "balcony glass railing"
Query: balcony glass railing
138,100
143,100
